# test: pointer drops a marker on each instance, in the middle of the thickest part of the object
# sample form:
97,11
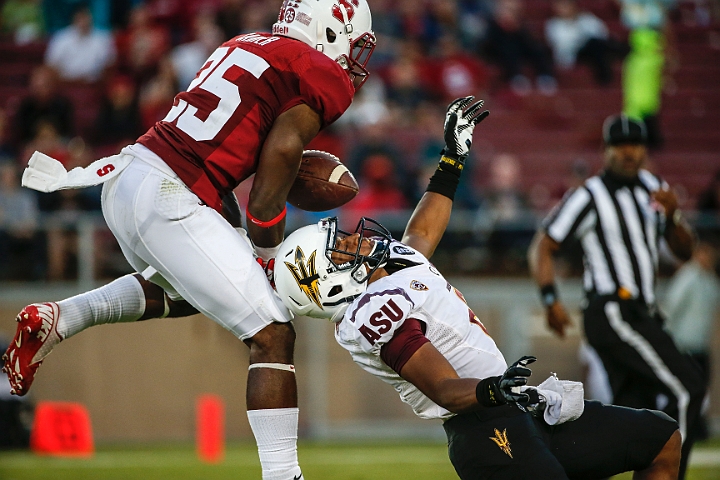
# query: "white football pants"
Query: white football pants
187,248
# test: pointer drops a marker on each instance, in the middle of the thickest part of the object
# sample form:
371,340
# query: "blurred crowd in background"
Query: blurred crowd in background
107,70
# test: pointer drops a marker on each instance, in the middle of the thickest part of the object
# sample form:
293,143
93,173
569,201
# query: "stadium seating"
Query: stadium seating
547,134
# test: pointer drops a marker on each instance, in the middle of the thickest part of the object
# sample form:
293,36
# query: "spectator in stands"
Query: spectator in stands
142,44
406,88
442,19
6,149
379,190
47,140
23,20
369,106
187,59
229,17
118,122
709,199
66,207
651,53
157,95
453,73
19,239
375,139
691,304
474,17
387,26
176,15
511,45
258,16
575,35
507,206
59,13
81,52
44,103
412,19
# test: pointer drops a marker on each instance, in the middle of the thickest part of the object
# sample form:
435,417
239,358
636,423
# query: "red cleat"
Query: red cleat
35,338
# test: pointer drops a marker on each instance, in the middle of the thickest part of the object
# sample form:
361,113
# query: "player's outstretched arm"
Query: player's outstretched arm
279,163
432,214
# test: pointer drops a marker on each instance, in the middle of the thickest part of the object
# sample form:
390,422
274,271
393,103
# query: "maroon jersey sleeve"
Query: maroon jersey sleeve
408,338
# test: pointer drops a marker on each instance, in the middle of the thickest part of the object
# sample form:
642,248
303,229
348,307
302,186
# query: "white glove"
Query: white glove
460,122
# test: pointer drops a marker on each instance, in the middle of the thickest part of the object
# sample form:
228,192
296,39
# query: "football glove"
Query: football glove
460,122
494,391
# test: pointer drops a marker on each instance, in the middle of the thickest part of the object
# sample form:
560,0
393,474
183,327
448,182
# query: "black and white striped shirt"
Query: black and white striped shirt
619,229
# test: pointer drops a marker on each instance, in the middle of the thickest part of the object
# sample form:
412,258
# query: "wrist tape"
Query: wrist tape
447,177
548,295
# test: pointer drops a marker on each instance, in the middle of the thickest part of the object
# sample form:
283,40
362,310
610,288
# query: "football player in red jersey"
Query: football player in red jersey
253,107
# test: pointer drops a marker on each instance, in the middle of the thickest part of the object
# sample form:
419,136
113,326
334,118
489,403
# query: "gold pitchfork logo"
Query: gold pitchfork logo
306,275
502,441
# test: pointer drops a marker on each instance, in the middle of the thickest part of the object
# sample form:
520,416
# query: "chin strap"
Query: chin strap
274,366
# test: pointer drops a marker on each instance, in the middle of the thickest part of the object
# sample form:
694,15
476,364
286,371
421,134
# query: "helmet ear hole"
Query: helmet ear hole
331,35
335,290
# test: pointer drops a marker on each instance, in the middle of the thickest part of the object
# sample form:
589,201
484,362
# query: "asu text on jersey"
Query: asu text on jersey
417,292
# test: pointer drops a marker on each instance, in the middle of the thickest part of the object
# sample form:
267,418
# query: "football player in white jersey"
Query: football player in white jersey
404,323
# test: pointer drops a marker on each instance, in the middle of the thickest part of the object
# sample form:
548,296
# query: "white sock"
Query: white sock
275,433
121,300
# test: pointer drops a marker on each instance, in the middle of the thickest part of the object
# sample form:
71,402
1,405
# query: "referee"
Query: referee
619,218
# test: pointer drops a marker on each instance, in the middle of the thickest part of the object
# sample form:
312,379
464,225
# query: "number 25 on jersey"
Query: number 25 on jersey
211,79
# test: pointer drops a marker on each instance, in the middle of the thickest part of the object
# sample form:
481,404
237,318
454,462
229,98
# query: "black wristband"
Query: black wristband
548,295
488,394
446,178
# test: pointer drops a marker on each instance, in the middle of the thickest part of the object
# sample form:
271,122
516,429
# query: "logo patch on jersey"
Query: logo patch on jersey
306,276
400,250
415,285
502,441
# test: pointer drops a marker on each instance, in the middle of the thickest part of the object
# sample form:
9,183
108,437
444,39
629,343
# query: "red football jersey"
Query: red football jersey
213,135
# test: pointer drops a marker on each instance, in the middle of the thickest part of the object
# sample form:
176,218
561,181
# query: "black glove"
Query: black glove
460,122
494,391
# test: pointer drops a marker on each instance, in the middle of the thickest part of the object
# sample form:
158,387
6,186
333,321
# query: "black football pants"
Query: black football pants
644,367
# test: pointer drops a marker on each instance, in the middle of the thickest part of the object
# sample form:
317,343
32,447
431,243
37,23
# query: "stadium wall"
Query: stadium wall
140,381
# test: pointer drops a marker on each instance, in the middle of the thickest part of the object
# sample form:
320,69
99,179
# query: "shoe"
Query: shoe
35,338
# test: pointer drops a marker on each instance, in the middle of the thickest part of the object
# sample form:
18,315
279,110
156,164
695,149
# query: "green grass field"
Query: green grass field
320,461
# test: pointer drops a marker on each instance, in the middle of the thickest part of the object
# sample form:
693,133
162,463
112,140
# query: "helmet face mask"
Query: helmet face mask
361,266
315,278
341,29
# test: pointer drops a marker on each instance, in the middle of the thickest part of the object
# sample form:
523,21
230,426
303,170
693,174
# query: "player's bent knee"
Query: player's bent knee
274,343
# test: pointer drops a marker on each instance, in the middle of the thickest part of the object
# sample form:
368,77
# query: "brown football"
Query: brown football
322,183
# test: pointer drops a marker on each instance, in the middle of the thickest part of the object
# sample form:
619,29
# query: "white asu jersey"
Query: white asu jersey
419,292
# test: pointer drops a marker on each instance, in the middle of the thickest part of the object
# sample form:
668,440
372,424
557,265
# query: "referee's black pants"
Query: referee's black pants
644,367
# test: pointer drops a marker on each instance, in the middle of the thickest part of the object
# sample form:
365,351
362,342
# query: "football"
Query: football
322,183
